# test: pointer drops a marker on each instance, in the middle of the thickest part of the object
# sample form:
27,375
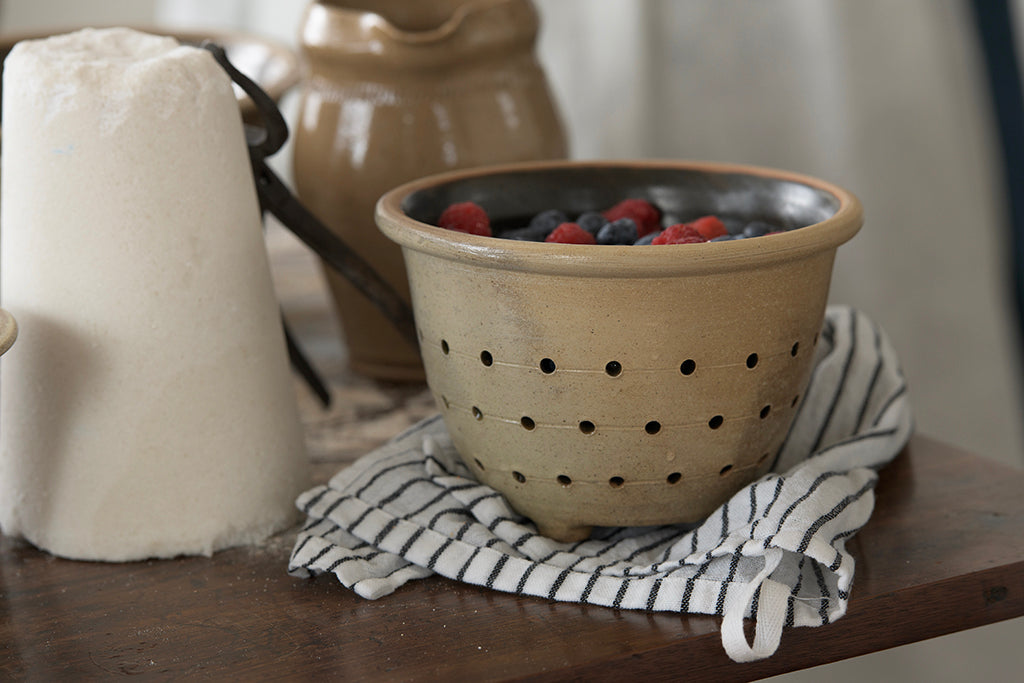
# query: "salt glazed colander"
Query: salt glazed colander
619,385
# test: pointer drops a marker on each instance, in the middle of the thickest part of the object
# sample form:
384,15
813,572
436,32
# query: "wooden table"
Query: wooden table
943,552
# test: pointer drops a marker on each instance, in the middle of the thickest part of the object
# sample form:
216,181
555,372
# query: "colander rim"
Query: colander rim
616,260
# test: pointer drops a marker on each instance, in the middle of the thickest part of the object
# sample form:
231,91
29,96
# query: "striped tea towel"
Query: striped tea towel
774,553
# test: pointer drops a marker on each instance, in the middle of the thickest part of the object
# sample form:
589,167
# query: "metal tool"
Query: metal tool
275,197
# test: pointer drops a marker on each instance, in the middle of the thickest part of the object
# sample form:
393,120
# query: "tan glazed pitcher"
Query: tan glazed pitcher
393,90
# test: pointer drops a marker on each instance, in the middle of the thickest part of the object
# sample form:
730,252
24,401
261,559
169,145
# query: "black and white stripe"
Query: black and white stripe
412,508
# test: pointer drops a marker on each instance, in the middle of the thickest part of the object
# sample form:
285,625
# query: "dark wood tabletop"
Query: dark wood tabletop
943,552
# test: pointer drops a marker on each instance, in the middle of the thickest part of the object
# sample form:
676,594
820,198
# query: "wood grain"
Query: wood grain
942,553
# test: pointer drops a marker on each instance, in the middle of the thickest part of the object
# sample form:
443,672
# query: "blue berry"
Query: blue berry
646,239
757,229
727,238
591,221
528,234
621,231
548,220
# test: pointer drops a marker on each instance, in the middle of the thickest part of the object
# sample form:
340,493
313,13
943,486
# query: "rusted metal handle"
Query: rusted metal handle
276,198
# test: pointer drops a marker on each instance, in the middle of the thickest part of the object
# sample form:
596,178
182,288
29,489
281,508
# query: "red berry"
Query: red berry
709,227
680,233
644,214
570,233
467,217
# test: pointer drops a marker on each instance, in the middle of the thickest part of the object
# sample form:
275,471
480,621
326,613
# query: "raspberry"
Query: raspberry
644,214
709,227
680,233
467,217
571,233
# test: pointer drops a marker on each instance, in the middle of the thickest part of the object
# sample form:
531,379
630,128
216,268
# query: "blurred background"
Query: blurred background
887,99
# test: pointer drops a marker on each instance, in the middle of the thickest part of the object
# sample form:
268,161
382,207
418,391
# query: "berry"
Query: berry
758,228
646,239
591,221
680,233
571,233
709,227
644,214
527,234
548,220
467,217
622,231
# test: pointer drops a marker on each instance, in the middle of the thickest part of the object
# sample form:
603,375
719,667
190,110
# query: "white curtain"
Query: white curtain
882,97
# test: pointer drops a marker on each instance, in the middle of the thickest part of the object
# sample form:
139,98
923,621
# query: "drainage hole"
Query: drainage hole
674,477
587,427
688,366
796,347
616,482
478,463
796,399
444,400
613,368
477,414
716,422
444,347
724,471
486,358
764,456
752,361
564,480
527,422
652,427
764,411
518,476
547,366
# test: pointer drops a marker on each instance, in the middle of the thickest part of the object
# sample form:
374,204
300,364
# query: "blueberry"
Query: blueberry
528,234
548,220
591,221
727,238
622,231
647,239
758,228
733,224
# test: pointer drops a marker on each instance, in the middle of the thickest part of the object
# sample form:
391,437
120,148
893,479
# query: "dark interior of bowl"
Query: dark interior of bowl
682,194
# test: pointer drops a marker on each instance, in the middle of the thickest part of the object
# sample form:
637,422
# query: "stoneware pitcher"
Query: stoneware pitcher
393,90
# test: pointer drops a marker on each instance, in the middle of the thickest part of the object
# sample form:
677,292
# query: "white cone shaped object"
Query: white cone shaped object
148,409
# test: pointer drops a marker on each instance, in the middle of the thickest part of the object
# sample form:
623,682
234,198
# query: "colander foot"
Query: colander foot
565,533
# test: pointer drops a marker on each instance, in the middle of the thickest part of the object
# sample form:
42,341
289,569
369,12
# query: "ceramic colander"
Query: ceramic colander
619,385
